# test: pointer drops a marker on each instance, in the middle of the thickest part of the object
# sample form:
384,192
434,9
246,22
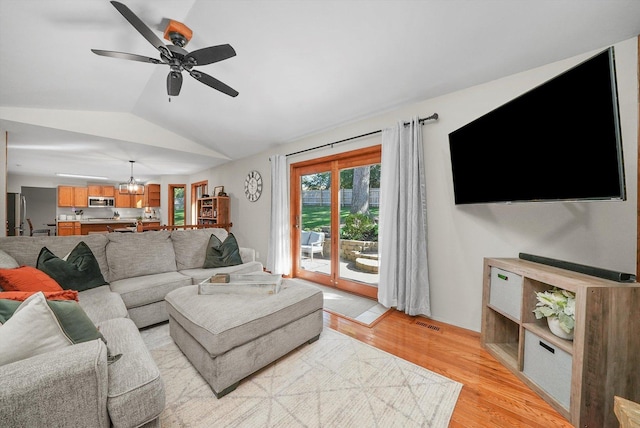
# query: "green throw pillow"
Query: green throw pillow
221,254
79,272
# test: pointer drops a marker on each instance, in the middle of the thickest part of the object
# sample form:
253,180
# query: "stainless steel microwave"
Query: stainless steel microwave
96,201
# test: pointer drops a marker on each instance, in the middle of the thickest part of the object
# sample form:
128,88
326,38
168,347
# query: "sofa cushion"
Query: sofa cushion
137,254
199,275
7,262
27,278
136,392
191,246
21,296
143,290
25,249
102,304
304,237
79,270
222,253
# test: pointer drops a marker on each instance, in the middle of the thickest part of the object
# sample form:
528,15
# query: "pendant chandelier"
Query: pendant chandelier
131,187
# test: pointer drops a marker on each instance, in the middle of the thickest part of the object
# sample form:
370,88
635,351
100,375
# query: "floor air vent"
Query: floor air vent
427,325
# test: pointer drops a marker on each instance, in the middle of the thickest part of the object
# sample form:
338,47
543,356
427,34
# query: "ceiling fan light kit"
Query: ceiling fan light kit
131,187
174,55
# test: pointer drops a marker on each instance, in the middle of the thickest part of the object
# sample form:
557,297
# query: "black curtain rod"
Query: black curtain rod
434,116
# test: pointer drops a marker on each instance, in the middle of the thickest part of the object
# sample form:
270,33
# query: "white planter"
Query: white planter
554,326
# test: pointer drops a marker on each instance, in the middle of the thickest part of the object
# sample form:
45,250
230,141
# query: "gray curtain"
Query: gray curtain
404,276
279,256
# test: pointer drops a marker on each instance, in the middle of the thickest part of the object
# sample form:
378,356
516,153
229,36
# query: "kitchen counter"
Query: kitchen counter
86,226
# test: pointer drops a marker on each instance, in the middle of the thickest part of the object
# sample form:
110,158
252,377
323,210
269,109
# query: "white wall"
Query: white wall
3,182
596,233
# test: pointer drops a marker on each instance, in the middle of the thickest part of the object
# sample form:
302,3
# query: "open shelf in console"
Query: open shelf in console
503,339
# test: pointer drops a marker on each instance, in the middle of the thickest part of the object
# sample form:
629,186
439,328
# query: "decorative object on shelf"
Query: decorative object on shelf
116,215
558,306
556,328
131,187
217,190
253,186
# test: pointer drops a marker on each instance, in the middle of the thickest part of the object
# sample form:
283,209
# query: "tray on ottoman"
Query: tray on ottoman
258,283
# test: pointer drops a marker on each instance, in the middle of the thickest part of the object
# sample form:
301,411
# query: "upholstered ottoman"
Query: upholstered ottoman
228,336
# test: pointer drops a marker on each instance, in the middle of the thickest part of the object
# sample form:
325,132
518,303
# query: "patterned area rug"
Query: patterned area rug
335,382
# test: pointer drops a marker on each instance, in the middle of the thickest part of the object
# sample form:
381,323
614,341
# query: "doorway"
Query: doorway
335,202
40,205
176,204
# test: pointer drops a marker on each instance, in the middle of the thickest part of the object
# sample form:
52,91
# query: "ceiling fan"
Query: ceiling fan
174,55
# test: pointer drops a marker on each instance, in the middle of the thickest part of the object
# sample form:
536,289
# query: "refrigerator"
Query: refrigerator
16,214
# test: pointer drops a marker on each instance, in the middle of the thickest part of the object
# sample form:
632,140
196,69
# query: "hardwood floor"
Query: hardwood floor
491,396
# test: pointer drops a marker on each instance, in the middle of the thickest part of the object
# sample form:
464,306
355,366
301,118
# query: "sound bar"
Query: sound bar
589,270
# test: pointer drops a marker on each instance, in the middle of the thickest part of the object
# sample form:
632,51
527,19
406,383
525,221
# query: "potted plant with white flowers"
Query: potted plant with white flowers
558,306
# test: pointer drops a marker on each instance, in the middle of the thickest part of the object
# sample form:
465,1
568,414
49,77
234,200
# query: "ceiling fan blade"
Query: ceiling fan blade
124,55
139,25
210,55
213,82
174,83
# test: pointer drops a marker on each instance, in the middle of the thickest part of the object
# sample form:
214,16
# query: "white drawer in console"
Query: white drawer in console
548,366
505,292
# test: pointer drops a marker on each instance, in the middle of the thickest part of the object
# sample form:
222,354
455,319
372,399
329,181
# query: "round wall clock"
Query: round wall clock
253,186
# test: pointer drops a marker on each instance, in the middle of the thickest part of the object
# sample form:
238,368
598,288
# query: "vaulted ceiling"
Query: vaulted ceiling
301,67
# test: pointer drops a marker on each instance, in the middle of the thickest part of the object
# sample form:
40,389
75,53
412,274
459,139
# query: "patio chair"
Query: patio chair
311,243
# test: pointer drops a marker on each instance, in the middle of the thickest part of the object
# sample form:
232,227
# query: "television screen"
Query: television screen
557,142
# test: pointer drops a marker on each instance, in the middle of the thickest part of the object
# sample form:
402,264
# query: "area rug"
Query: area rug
365,311
337,381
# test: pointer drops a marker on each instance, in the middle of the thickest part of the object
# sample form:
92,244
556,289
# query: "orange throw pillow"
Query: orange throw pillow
27,278
49,295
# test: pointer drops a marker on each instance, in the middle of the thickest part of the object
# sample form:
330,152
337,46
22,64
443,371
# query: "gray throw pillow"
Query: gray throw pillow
7,262
222,254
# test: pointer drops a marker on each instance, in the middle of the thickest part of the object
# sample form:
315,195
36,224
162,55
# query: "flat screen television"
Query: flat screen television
557,142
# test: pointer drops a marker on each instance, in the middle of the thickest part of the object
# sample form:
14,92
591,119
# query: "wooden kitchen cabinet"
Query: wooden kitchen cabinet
129,201
152,195
65,196
137,201
123,200
70,196
69,228
97,190
80,197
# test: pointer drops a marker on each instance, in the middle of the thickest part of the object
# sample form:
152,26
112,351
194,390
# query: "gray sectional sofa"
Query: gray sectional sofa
75,386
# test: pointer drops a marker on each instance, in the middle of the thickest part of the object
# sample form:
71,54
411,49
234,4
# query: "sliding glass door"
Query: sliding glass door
335,205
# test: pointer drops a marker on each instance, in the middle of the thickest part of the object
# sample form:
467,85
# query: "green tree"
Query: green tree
346,177
318,181
360,192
